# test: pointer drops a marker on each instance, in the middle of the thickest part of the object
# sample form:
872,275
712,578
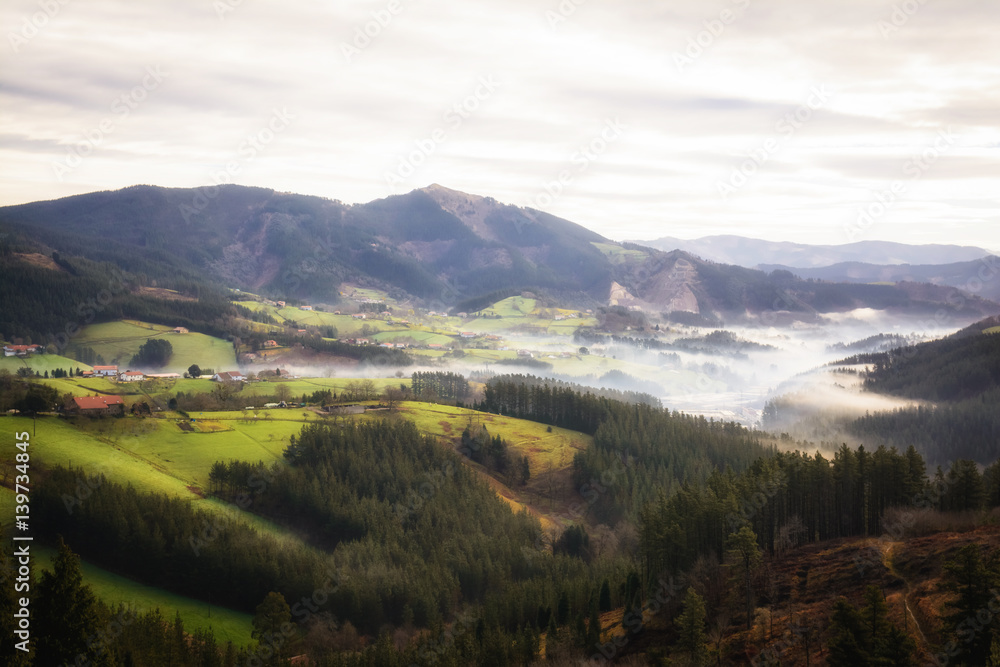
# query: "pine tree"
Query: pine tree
562,609
604,599
743,546
593,630
271,623
691,627
847,636
973,578
66,612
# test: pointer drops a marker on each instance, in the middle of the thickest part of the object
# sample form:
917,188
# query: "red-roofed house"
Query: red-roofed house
131,376
270,343
99,405
106,371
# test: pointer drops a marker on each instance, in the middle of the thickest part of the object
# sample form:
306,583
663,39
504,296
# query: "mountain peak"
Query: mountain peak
472,210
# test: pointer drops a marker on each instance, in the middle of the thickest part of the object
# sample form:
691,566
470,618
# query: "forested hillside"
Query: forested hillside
434,245
959,376
640,447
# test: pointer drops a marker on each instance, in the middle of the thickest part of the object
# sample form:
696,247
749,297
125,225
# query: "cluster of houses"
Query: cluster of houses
22,350
229,376
112,373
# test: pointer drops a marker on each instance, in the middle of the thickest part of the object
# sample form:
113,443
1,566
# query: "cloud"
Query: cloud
366,83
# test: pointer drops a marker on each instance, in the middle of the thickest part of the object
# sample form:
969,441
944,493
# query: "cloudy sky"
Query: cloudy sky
814,122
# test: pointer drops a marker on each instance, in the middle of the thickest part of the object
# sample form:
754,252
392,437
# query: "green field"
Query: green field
42,363
514,306
992,330
526,438
620,255
310,385
89,386
116,342
155,454
226,624
421,335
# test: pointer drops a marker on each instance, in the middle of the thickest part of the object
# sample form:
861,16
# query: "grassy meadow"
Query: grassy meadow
226,624
117,342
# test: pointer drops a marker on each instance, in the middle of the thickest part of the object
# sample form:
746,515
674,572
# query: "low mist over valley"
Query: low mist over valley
500,334
580,392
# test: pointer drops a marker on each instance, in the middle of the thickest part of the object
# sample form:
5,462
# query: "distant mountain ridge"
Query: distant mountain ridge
981,276
436,246
751,253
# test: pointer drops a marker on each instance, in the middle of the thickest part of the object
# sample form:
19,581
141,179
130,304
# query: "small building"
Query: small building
22,350
229,376
270,343
524,353
468,334
305,307
463,315
180,330
96,406
359,316
131,376
281,304
106,371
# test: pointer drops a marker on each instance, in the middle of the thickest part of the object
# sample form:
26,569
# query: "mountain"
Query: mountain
749,252
678,281
981,276
433,245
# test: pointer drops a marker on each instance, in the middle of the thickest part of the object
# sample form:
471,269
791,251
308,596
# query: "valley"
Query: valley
381,421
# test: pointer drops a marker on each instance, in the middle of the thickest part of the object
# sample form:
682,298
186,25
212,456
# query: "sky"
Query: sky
778,119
